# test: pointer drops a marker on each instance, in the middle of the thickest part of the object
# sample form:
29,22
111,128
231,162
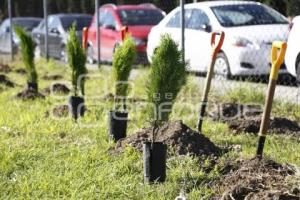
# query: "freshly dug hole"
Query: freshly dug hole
52,77
57,88
176,135
29,95
257,179
277,125
5,68
228,111
5,81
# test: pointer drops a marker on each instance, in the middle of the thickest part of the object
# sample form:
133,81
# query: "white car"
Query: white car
292,57
250,28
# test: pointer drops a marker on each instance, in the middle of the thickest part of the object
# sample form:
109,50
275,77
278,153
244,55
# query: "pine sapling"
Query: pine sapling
124,58
167,77
27,51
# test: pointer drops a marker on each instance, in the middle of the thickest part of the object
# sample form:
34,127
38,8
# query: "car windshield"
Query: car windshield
80,22
247,14
26,23
140,16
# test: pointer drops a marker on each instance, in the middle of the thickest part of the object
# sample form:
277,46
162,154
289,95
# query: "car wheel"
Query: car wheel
222,68
298,73
63,55
90,54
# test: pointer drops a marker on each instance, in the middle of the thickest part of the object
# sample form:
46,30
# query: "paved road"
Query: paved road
289,94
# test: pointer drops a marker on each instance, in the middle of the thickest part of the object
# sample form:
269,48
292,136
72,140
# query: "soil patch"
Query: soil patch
182,139
61,111
229,111
20,71
5,68
257,179
52,77
111,97
277,125
5,81
57,88
29,95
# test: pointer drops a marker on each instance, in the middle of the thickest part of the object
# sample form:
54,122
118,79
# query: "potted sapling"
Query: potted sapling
27,51
124,58
76,61
167,77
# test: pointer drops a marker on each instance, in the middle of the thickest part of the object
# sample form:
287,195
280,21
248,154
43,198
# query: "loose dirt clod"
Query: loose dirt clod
176,135
5,81
52,77
277,125
257,179
5,68
57,88
29,95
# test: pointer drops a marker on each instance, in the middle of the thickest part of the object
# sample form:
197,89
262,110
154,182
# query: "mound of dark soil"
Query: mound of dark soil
5,81
52,77
5,68
20,71
111,97
277,125
257,179
229,111
57,88
176,135
29,95
61,111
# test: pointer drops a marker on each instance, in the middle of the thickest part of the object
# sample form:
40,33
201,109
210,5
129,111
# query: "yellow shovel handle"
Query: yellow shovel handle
277,58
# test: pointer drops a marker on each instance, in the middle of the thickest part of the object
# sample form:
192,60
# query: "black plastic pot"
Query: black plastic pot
155,156
117,125
32,86
76,105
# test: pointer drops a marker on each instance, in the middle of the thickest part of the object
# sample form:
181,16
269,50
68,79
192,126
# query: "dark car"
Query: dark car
28,23
58,26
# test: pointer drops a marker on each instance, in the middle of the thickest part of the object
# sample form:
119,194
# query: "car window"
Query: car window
27,24
54,22
79,21
4,26
109,19
197,20
174,22
246,14
140,16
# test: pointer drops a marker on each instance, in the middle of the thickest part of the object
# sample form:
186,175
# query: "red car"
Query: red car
139,19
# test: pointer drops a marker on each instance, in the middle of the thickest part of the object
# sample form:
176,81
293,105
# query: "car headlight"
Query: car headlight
138,41
244,42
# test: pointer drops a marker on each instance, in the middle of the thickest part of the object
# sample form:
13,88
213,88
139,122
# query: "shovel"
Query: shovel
216,47
278,53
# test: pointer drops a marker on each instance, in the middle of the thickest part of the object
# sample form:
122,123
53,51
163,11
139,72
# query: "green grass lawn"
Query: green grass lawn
48,158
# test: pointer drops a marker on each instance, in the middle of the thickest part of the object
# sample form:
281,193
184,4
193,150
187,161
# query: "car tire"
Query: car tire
298,72
222,68
89,57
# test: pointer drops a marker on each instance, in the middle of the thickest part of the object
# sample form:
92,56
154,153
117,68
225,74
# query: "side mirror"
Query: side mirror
206,28
109,26
55,31
7,30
